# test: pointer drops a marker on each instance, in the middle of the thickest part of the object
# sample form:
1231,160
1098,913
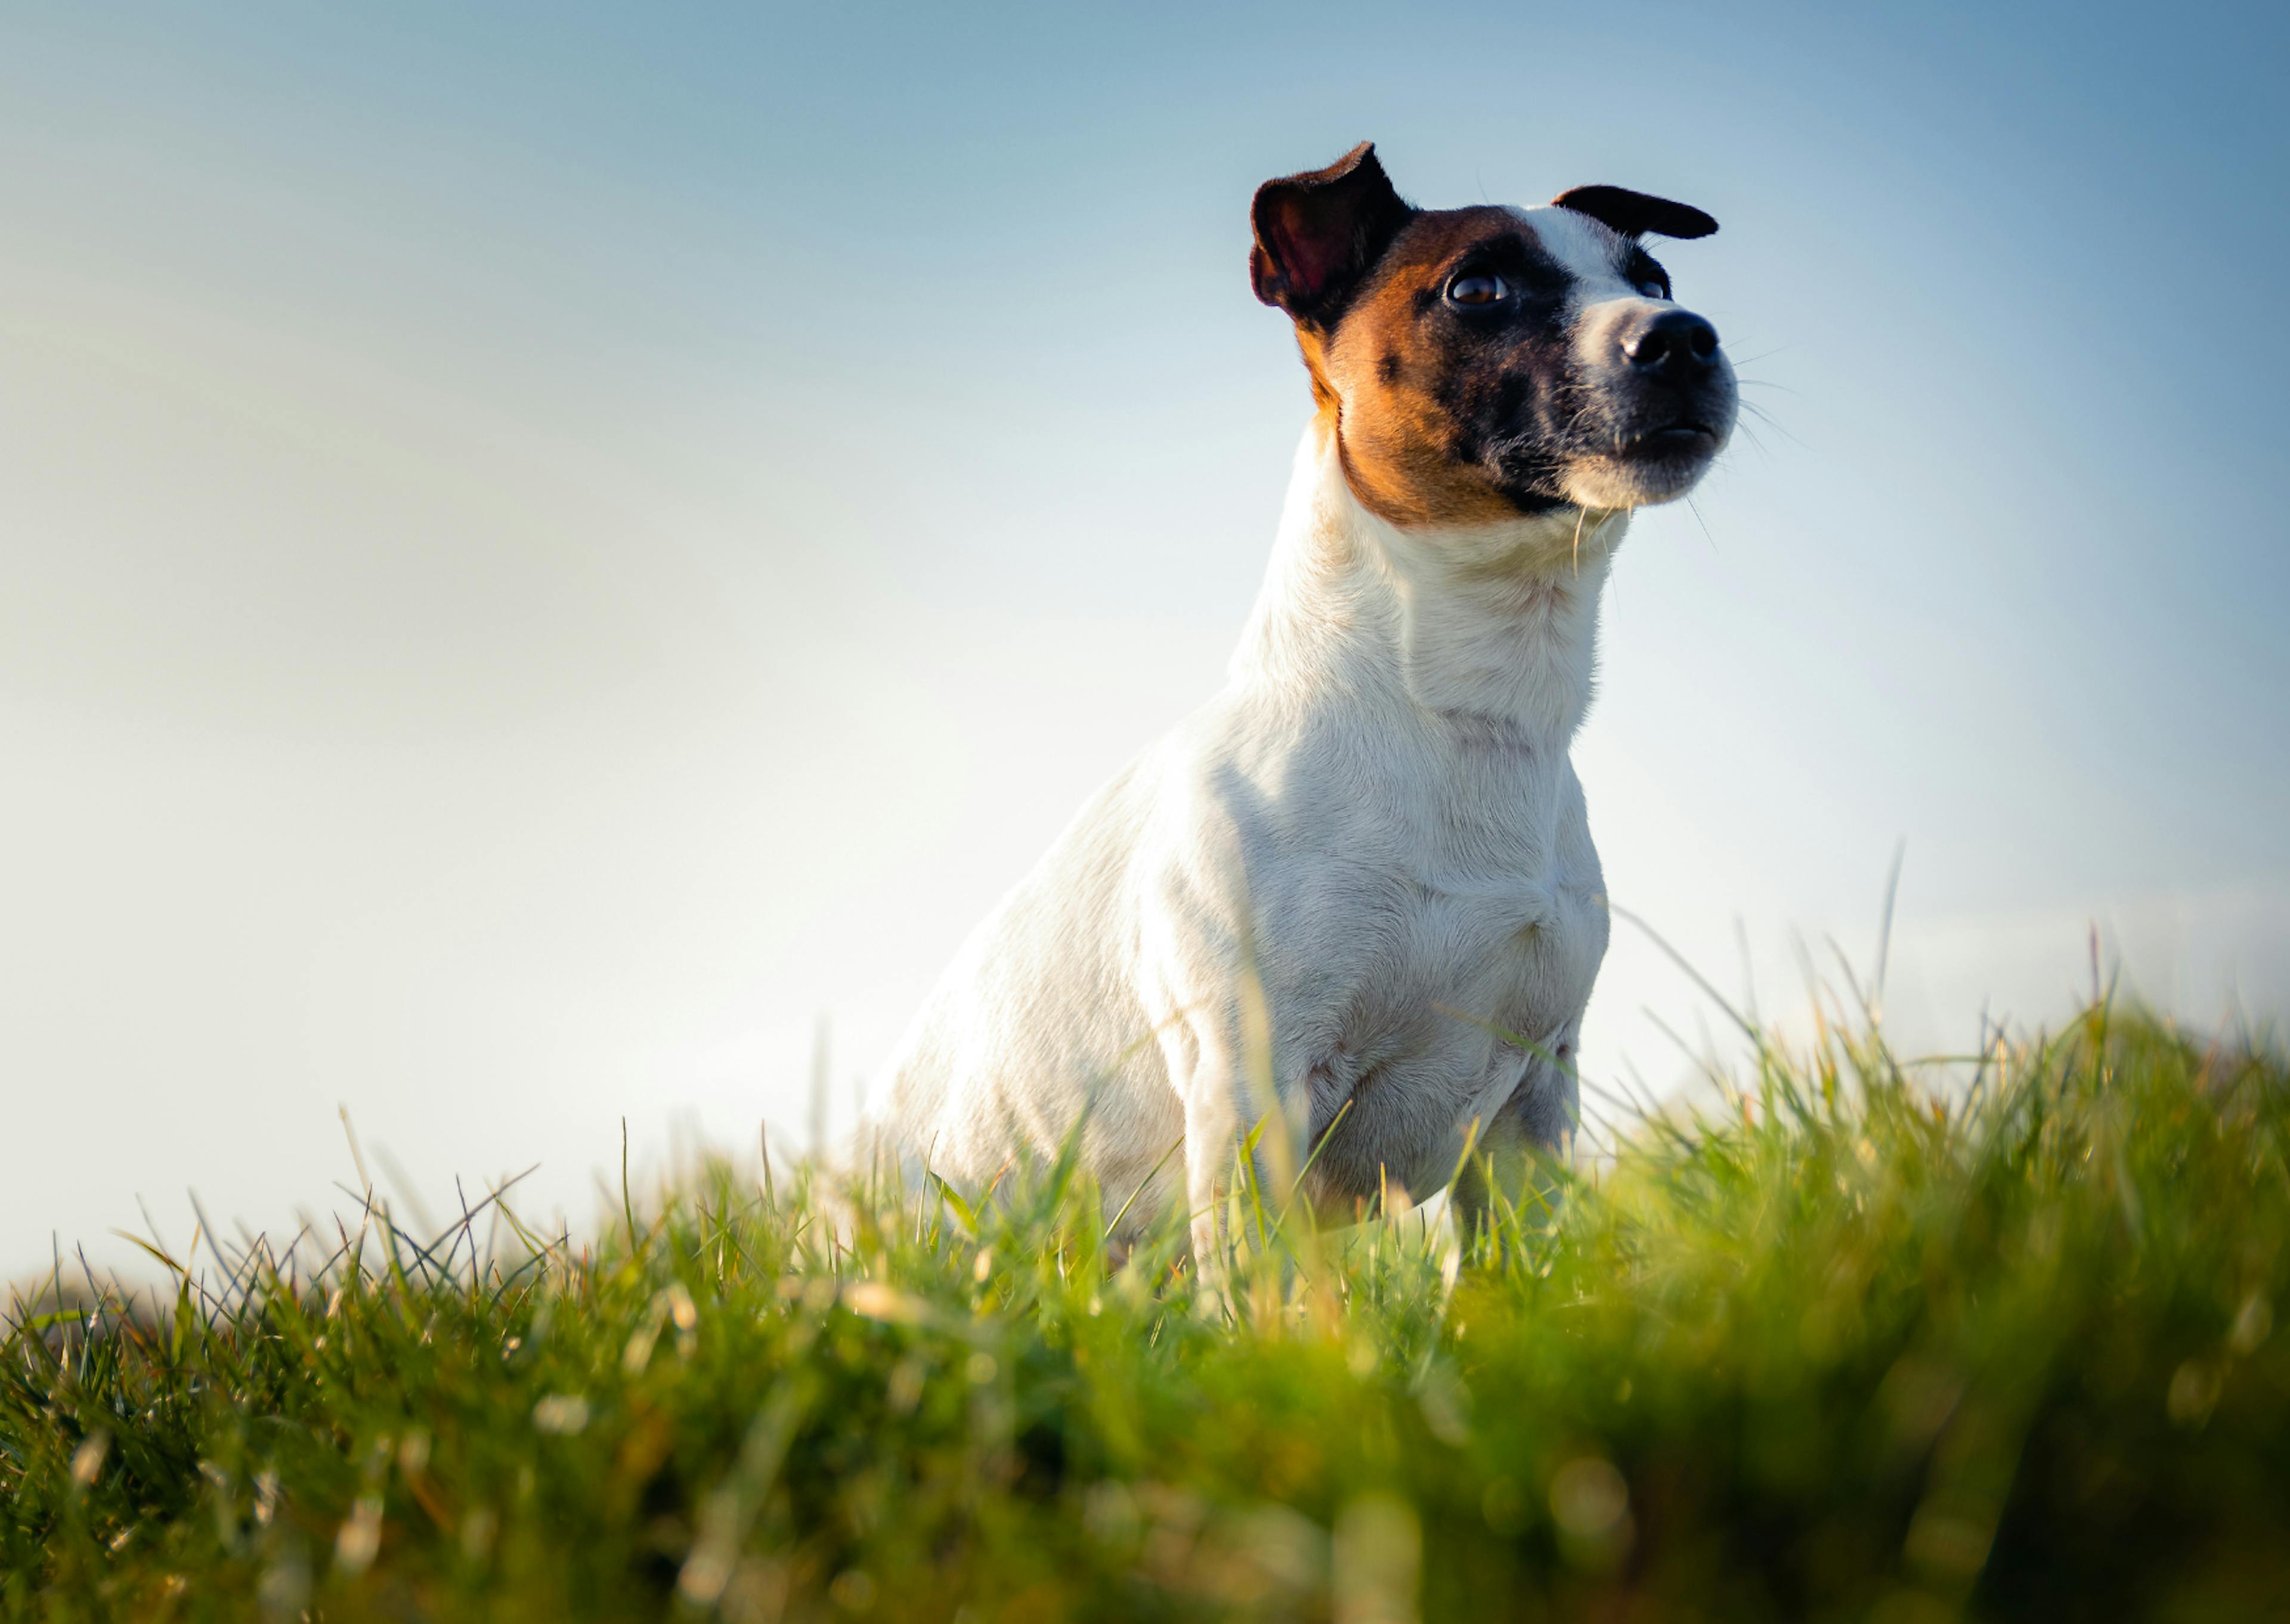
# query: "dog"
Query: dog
1352,905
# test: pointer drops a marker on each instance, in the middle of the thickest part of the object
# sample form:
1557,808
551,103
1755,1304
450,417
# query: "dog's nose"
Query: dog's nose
1674,344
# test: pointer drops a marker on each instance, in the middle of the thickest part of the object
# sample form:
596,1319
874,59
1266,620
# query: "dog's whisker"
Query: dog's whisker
1694,508
1763,449
1771,421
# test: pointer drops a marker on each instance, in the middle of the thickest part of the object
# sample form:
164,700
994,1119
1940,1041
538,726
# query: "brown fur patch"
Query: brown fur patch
1393,372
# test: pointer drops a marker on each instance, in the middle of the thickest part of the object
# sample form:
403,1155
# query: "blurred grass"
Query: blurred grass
1830,1349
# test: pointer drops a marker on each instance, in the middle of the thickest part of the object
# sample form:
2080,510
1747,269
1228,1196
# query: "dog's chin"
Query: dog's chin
1660,467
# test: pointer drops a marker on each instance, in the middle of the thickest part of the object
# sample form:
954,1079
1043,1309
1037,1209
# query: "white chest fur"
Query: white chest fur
1376,822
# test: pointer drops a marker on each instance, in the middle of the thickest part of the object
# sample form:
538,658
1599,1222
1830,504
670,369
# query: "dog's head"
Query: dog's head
1484,362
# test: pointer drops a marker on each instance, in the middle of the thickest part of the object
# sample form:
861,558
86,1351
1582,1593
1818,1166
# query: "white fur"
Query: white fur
1378,814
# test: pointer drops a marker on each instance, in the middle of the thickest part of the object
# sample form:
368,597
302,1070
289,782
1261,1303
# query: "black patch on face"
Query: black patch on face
1642,268
1388,368
1509,371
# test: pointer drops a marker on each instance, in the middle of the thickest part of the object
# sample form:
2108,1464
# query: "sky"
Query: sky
547,552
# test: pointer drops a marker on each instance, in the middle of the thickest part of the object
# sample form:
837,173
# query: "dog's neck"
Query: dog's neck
1486,627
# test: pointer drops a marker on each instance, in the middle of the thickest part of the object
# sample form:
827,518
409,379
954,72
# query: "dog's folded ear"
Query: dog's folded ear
1318,233
1635,214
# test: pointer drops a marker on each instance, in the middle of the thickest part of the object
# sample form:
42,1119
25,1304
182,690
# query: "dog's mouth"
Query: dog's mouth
1657,465
1688,437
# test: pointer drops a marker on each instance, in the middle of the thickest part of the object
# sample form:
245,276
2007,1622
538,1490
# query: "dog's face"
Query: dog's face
1485,363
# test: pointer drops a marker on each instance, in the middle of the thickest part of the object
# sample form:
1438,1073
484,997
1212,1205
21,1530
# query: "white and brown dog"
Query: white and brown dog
1365,866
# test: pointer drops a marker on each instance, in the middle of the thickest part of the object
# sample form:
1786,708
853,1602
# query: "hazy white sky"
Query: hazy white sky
541,550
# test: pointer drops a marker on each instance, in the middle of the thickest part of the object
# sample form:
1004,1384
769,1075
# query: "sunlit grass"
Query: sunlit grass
1833,1349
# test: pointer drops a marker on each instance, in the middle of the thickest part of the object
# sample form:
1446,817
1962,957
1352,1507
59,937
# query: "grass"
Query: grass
1830,1350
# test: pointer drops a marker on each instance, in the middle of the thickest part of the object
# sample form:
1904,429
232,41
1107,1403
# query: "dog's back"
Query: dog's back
1035,1017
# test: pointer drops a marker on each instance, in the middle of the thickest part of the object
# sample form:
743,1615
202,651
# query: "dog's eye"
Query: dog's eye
1652,289
1480,288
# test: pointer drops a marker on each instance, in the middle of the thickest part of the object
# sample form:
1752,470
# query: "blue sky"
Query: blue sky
542,548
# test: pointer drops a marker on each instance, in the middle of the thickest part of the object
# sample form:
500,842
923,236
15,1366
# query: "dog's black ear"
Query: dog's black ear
1318,233
1634,213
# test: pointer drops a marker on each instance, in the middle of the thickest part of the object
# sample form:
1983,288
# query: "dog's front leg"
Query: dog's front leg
1200,1049
1516,1160
1208,1061
1212,1143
